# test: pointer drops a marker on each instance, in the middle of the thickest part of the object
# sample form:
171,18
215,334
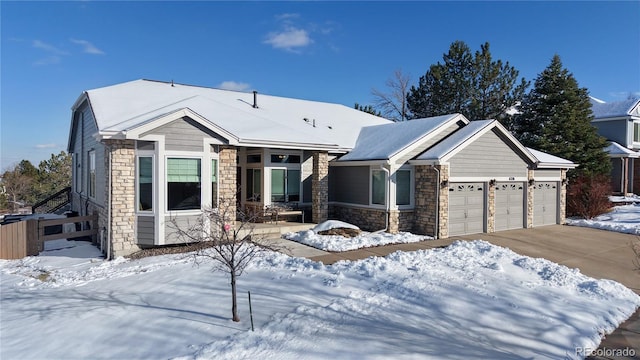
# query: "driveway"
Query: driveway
597,253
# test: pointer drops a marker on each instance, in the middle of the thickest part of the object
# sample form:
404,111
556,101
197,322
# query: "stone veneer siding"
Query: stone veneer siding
320,187
491,208
365,218
563,196
122,197
227,183
426,215
530,200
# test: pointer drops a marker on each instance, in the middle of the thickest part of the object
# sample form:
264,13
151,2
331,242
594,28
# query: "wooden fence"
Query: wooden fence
27,237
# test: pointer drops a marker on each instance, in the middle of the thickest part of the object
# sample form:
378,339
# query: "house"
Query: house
619,122
146,152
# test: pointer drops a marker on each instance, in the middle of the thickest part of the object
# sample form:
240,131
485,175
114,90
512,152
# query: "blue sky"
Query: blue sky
326,51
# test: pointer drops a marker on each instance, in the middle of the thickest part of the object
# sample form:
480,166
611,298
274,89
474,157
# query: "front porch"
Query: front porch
273,230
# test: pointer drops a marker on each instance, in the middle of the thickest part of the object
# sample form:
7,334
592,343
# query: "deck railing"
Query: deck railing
54,202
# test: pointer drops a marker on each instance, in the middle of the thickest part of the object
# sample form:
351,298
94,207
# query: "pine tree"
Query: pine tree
474,85
556,118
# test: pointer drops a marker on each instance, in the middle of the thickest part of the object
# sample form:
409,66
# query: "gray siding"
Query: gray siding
547,173
182,222
184,135
146,230
614,130
488,156
82,142
349,184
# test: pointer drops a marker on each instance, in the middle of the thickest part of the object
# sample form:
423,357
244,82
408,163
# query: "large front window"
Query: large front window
214,183
184,189
285,185
636,132
378,187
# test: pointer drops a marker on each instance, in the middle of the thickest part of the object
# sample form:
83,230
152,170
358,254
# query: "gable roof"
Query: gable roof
618,151
546,160
384,142
629,107
131,107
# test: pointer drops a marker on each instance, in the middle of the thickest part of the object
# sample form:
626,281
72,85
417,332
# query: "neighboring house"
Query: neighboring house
146,152
619,122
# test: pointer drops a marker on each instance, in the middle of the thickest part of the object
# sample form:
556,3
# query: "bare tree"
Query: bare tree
228,244
16,186
393,104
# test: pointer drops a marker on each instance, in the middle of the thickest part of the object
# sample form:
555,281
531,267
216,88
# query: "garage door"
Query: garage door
509,206
466,208
545,203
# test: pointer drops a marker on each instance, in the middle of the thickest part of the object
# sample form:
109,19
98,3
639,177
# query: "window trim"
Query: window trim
636,131
411,204
154,202
91,174
385,185
166,183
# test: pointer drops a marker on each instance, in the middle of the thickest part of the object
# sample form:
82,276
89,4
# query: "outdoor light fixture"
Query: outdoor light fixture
532,182
492,182
444,183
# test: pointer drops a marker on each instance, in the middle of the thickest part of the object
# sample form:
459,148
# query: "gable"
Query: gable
184,134
488,156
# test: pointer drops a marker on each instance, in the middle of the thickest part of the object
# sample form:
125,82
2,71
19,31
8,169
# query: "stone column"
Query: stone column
563,195
121,199
227,183
320,187
530,193
394,221
431,212
491,207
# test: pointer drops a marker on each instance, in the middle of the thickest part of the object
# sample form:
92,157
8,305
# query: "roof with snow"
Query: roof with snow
122,108
454,140
384,141
548,160
623,108
616,150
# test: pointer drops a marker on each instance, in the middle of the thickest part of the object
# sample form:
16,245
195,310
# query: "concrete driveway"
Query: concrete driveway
597,253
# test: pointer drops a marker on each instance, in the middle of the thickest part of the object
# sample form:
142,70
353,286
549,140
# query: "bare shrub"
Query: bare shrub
588,196
230,245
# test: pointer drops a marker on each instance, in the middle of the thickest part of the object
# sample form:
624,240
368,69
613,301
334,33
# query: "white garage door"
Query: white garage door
509,206
466,208
545,203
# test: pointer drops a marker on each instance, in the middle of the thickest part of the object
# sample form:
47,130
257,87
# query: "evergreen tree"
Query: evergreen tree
368,109
556,118
474,85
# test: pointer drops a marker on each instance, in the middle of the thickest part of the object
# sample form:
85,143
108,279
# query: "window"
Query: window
92,174
145,183
183,184
254,184
254,159
214,183
636,132
378,187
285,159
403,187
285,185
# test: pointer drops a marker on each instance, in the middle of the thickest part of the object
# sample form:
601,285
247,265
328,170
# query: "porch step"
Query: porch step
275,231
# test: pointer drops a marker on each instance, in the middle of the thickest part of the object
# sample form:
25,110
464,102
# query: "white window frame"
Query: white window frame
154,181
91,174
386,188
636,125
411,204
165,179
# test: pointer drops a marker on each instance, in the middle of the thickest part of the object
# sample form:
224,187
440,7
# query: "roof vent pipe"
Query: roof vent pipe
255,99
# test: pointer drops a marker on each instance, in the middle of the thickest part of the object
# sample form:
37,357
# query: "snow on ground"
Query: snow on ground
623,218
470,300
333,224
341,243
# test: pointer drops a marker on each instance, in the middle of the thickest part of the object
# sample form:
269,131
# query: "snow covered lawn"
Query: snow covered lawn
470,300
341,243
623,218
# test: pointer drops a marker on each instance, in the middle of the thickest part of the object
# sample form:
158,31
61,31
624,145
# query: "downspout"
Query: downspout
109,202
436,231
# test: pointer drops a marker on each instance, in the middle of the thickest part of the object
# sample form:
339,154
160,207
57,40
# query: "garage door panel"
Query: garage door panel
509,208
466,208
545,200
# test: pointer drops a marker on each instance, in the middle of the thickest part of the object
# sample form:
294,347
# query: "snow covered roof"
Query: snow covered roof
616,150
384,141
629,107
455,140
124,107
545,160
